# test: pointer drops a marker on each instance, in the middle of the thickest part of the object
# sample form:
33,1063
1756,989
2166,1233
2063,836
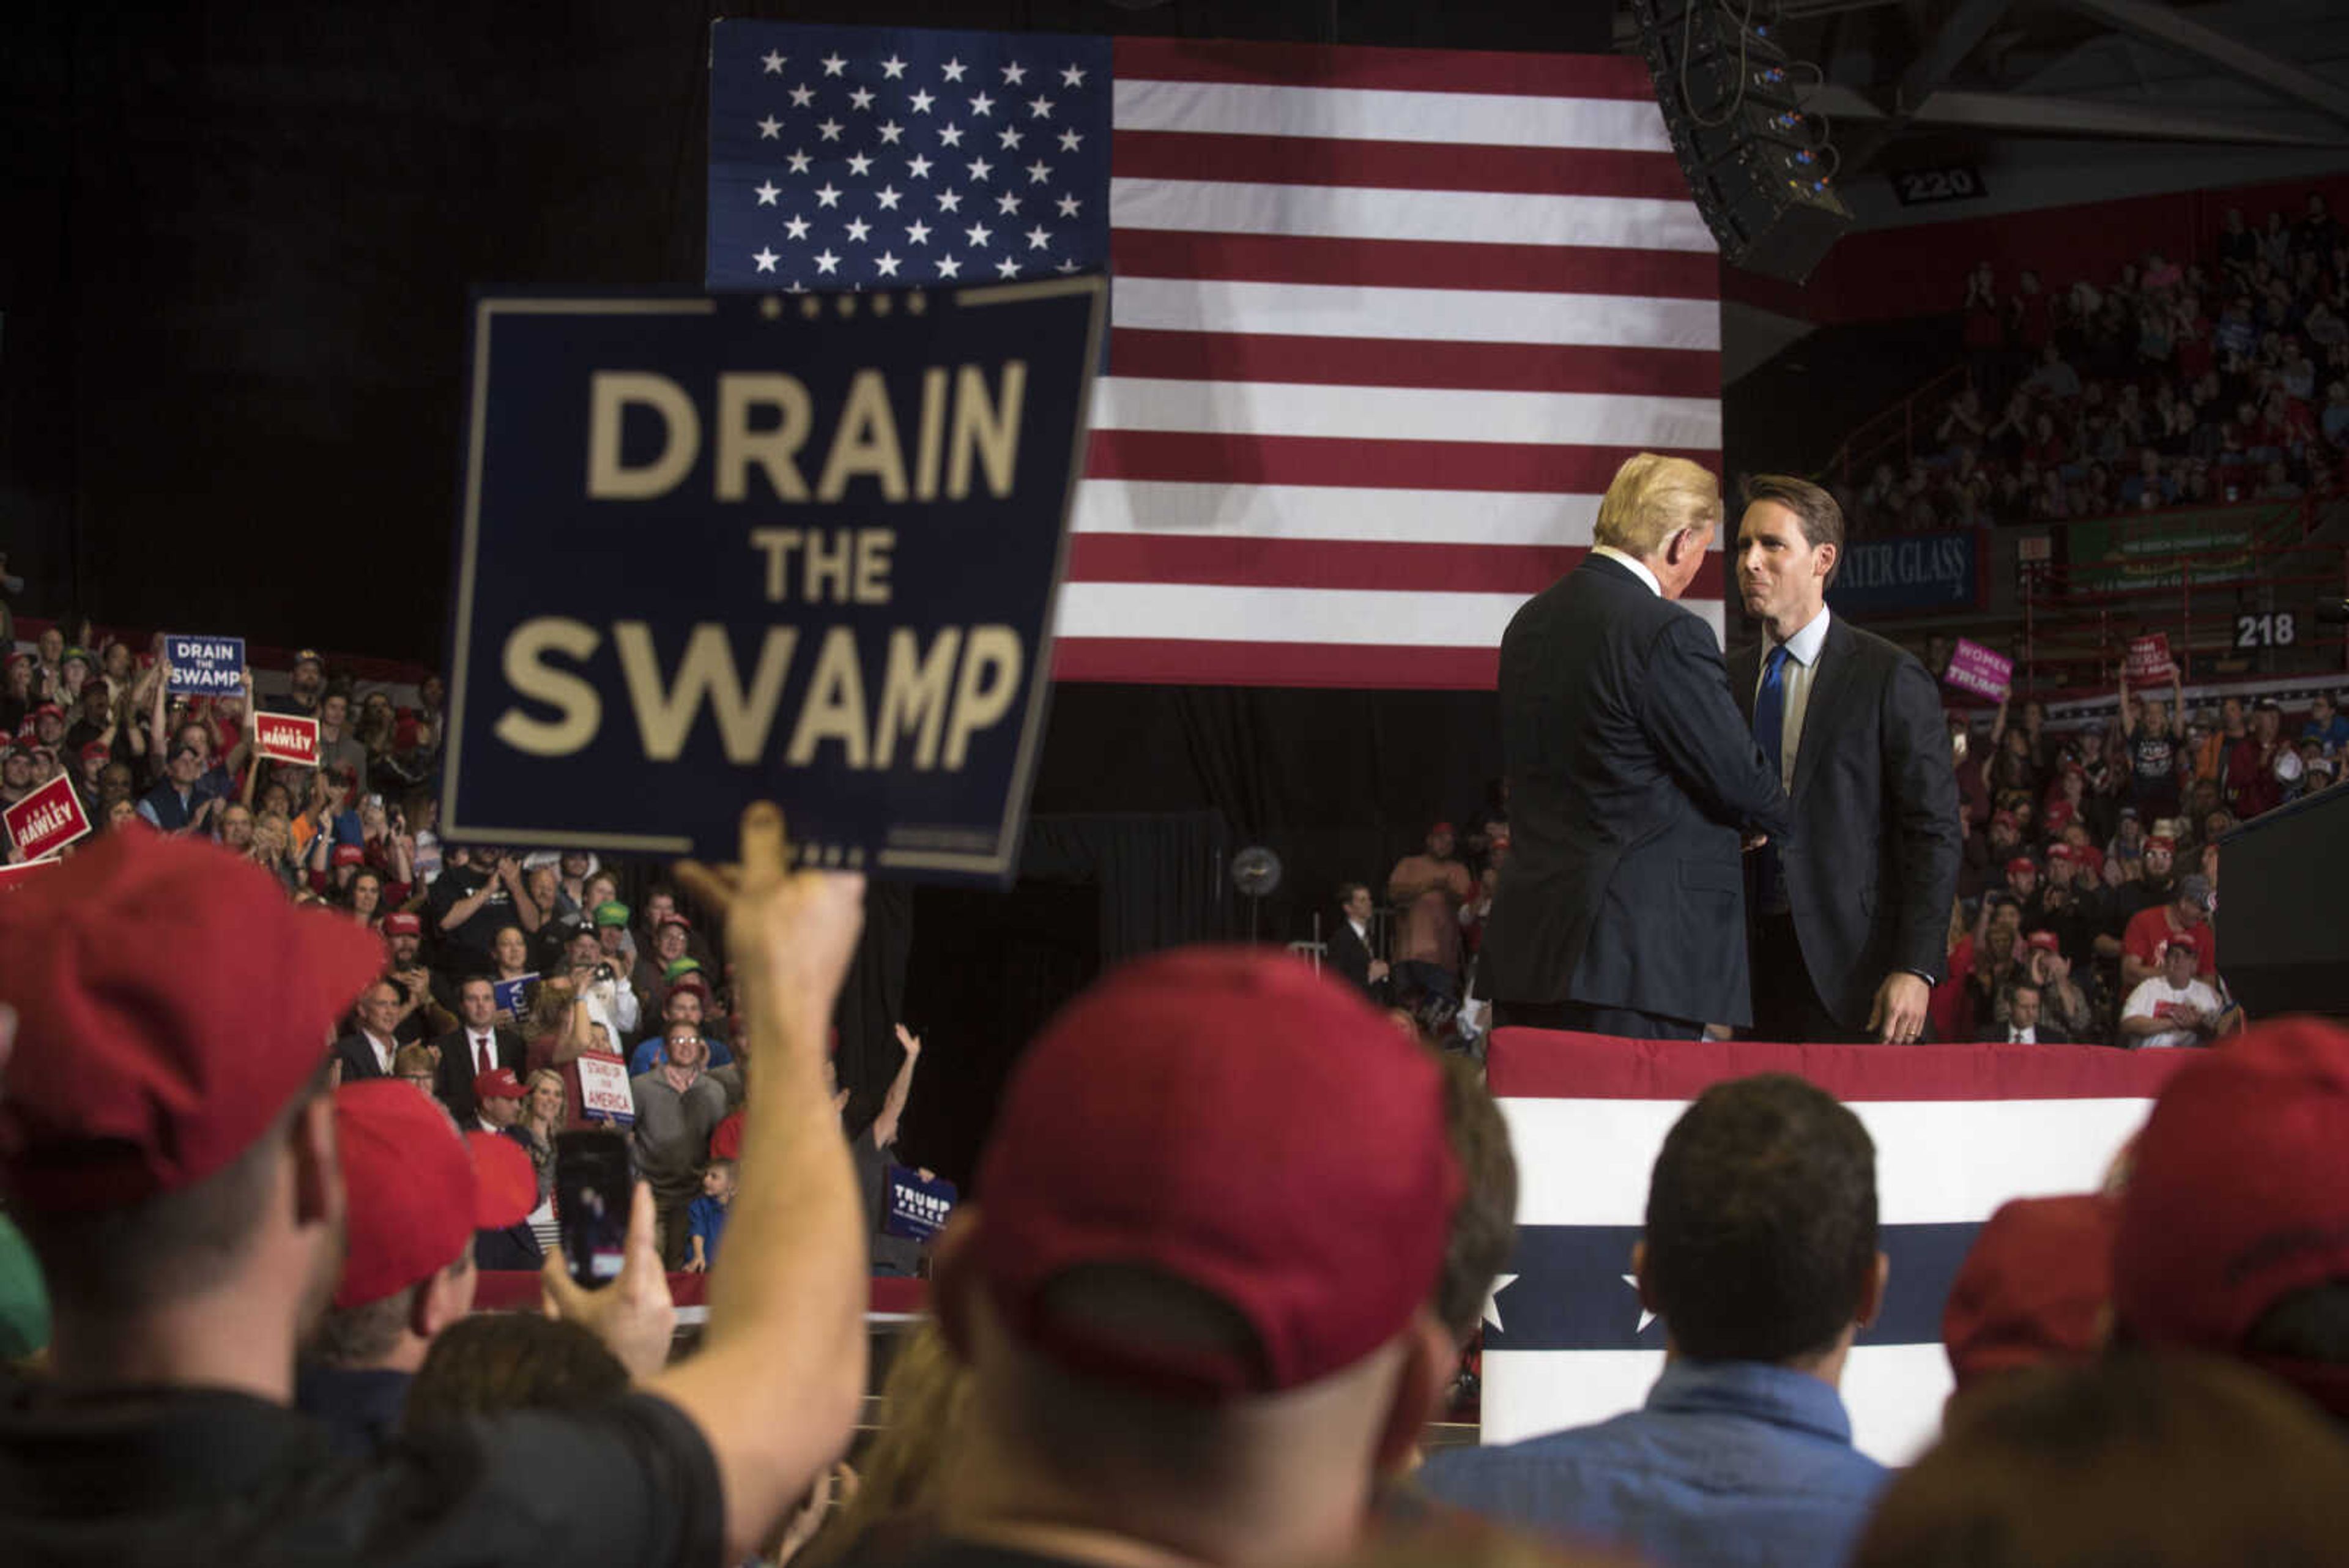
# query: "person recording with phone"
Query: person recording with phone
167,1141
2040,1004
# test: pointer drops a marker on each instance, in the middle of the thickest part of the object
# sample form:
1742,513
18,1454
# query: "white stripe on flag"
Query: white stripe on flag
1403,413
1211,613
1336,512
1586,1162
1206,612
1369,114
1429,315
1466,217
1894,1393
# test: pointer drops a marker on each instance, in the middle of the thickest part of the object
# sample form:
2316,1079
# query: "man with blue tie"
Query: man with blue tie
1632,783
1849,913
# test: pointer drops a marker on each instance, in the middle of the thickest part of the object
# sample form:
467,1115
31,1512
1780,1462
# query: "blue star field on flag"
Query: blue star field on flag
845,158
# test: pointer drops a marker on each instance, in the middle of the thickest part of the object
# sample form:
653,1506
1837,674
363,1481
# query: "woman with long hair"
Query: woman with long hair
363,897
545,1107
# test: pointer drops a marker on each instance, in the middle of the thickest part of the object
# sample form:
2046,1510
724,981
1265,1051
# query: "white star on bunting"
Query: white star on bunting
1493,1298
1646,1317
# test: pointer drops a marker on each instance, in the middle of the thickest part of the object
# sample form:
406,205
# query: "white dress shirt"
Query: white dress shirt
1803,651
1638,567
482,1046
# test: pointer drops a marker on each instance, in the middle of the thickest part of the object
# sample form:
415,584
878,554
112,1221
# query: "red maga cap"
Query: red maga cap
402,924
497,1084
2020,863
2240,1196
349,855
417,1192
2033,1287
2045,939
171,1001
1231,1120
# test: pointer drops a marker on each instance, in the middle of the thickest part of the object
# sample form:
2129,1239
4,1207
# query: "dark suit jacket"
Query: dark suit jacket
1630,777
357,1058
1872,865
1349,955
452,1080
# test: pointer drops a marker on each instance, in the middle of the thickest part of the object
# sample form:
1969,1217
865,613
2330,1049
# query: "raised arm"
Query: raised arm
776,1385
892,1104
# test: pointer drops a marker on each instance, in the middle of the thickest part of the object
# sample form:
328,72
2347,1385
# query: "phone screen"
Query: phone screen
591,1203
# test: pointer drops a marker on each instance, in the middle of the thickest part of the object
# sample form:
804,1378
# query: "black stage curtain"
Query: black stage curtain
240,239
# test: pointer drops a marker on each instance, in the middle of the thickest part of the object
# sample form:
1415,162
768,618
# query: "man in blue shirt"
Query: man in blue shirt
1761,1258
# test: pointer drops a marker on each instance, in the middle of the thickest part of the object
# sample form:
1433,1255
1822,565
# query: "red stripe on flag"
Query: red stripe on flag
1417,70
1386,362
1461,568
1415,263
1542,1064
1196,456
1397,165
1377,667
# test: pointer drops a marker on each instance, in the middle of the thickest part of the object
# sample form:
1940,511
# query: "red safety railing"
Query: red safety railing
2244,610
1890,436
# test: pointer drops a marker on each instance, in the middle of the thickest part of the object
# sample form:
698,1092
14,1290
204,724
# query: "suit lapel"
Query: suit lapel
1828,687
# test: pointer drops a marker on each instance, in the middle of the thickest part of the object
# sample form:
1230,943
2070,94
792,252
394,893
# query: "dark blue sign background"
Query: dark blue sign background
568,761
205,666
918,1208
1912,572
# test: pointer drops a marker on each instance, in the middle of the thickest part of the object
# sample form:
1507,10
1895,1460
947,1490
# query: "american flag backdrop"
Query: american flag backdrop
1958,1130
1383,321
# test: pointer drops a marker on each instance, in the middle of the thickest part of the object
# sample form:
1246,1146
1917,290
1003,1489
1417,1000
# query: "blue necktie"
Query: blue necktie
1770,731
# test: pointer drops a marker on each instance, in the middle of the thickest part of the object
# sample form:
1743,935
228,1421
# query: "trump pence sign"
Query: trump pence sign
801,548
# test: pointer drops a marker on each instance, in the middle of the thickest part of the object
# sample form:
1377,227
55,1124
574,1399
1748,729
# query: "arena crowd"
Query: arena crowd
1155,1336
2169,383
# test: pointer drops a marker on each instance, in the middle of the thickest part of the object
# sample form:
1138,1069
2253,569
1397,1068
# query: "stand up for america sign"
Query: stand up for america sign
798,548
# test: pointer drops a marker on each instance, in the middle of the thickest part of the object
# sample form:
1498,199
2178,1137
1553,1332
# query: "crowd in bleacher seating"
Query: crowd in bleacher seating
503,970
1152,1342
2167,384
2089,850
1157,1337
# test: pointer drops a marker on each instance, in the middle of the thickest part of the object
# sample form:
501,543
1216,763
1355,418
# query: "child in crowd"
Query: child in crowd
706,1216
